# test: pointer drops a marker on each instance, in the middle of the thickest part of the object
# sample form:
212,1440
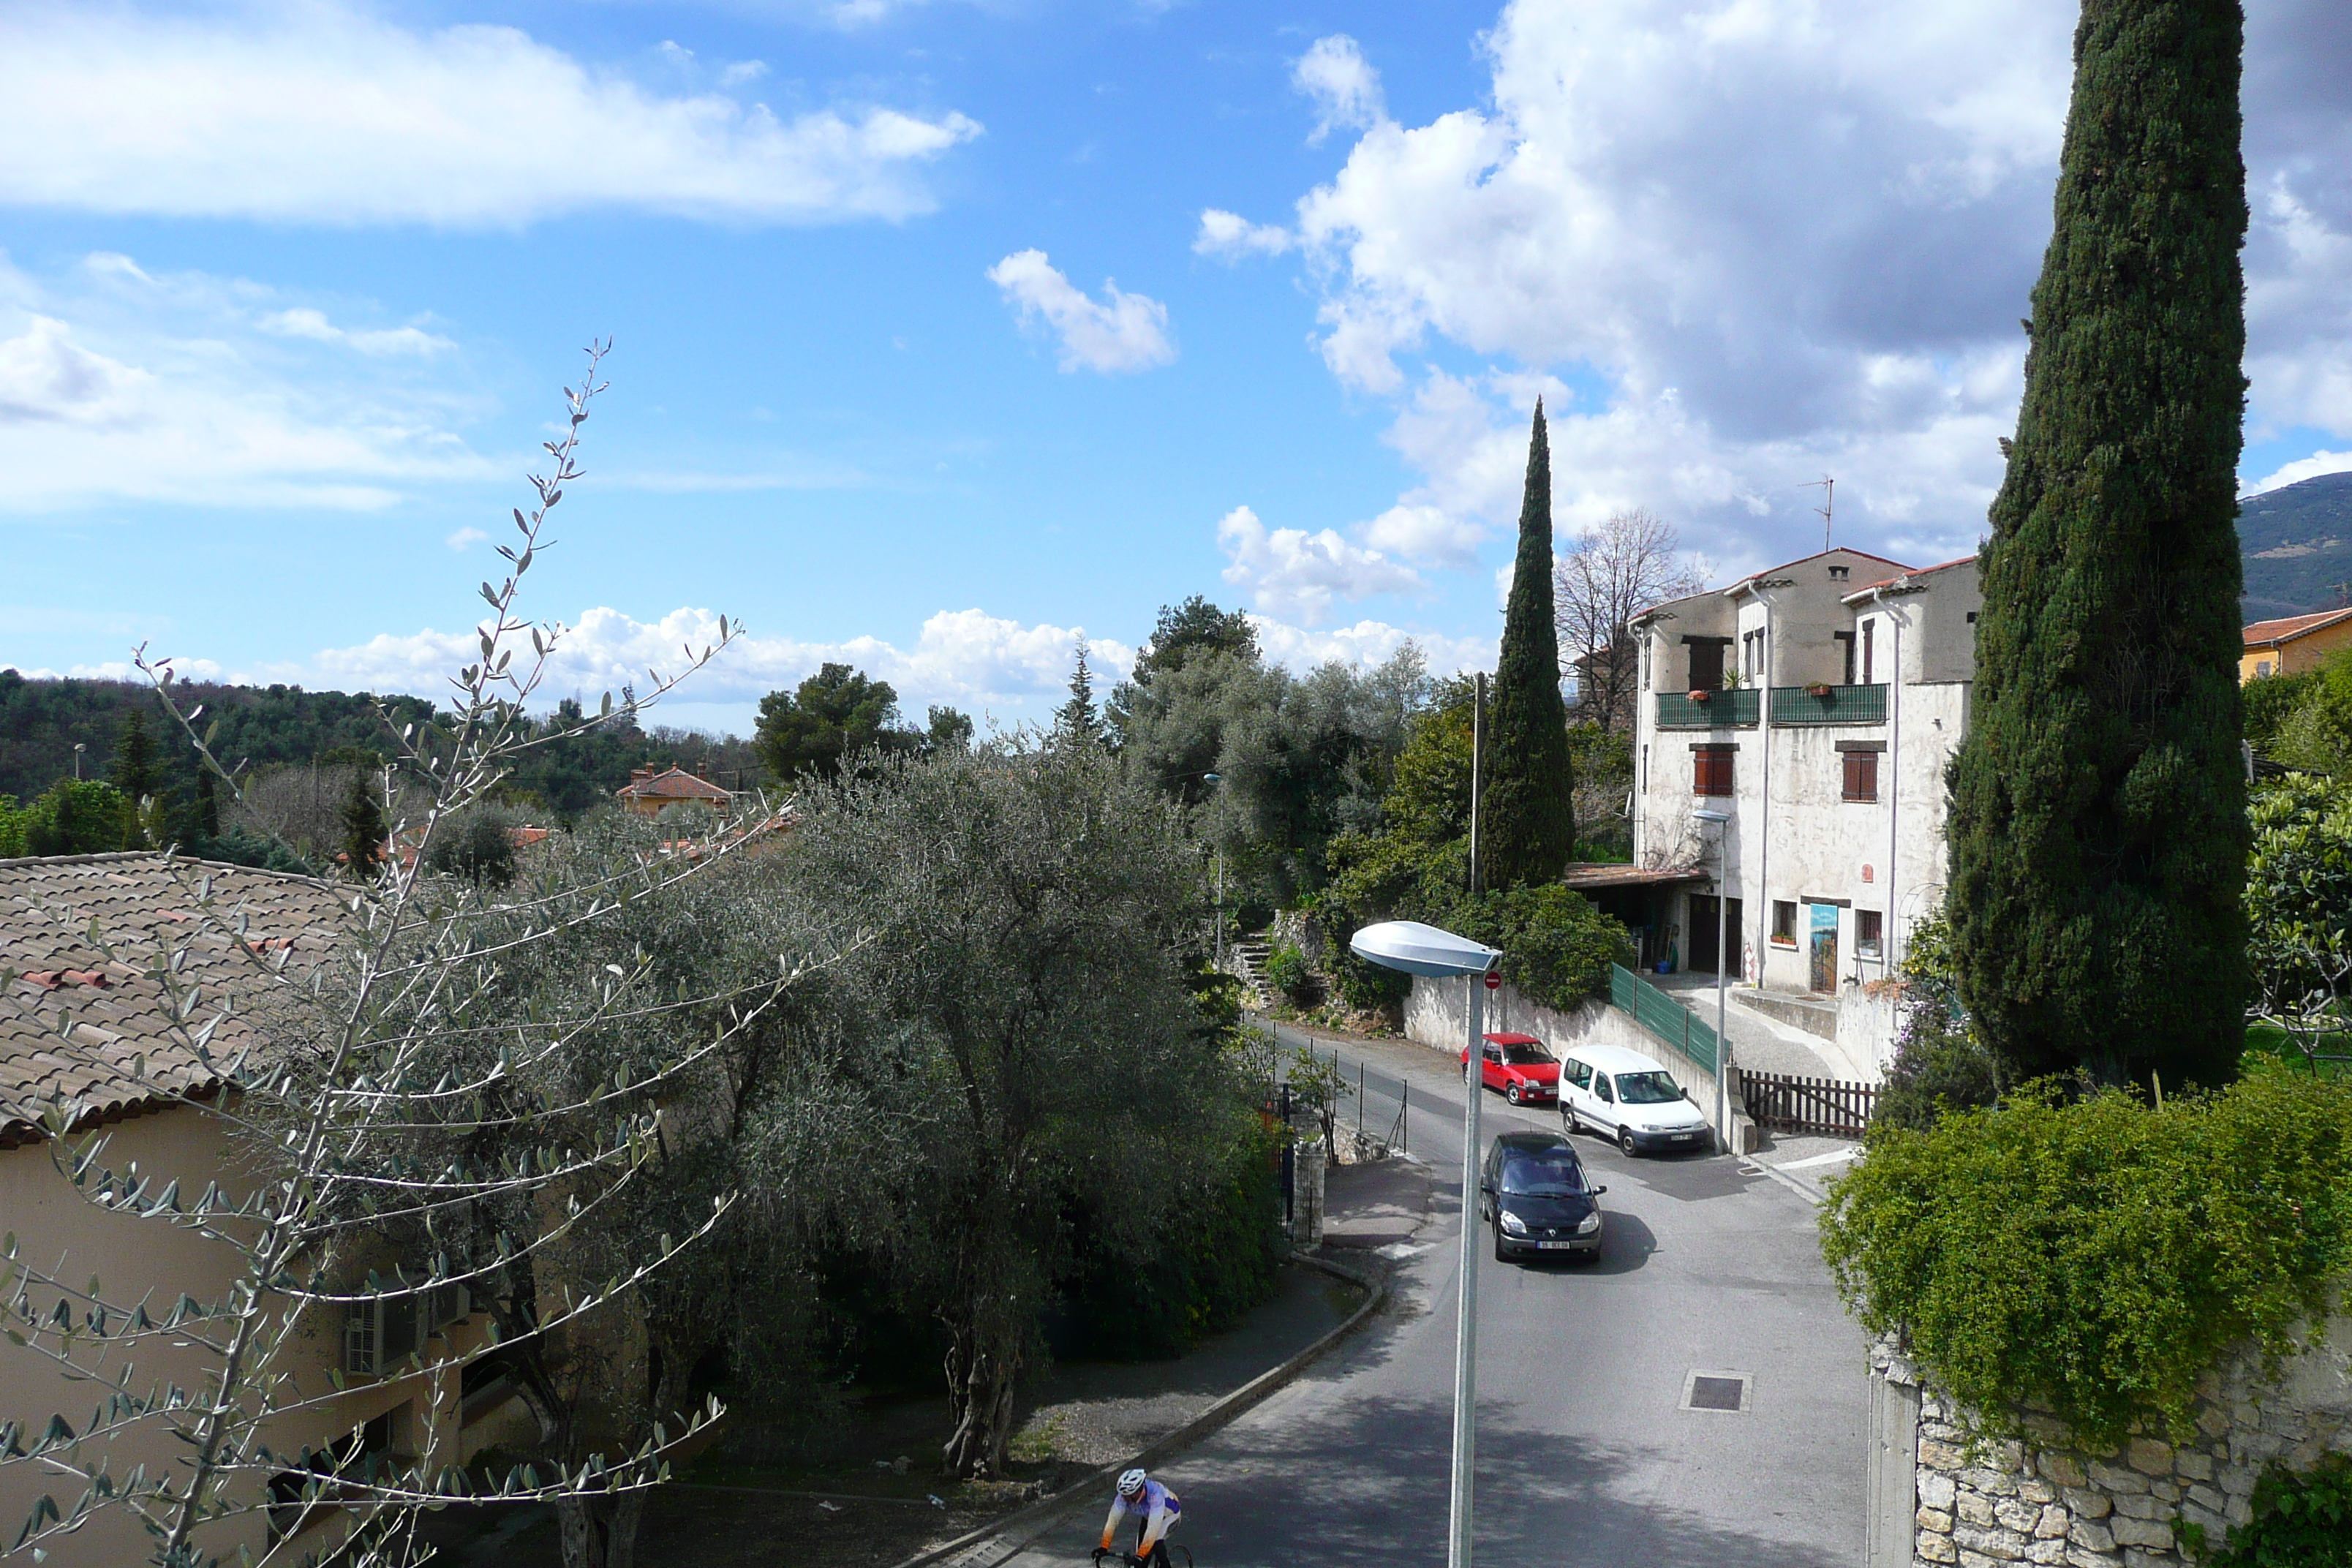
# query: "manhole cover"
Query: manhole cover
1725,1390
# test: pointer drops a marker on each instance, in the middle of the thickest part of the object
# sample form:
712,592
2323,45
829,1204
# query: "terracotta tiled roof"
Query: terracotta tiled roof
675,784
2270,634
1922,572
144,906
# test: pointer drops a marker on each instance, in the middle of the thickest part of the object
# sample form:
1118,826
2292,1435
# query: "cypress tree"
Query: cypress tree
363,828
1527,817
2098,828
1077,721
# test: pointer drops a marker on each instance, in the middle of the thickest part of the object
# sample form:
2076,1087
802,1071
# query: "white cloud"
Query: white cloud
1368,642
1738,244
303,322
120,384
1289,572
1343,84
1228,236
742,72
465,537
966,658
321,112
2303,469
1126,333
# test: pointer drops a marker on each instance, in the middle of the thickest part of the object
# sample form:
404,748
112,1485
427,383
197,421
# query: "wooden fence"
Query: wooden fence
1824,1105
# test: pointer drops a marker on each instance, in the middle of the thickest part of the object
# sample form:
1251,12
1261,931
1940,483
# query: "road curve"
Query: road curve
1585,1455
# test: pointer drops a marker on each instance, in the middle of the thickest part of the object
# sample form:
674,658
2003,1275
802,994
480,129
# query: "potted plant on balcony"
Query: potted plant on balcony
1819,689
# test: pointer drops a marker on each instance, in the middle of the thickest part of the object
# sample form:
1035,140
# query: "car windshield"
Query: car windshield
1552,1174
1648,1088
1527,1056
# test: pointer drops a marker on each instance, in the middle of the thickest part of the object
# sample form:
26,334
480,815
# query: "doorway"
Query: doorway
1824,976
1703,918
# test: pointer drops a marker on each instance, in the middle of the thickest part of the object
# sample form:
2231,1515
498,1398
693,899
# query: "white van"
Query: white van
1624,1095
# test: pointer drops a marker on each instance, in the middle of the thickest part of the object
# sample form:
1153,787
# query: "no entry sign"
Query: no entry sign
1494,980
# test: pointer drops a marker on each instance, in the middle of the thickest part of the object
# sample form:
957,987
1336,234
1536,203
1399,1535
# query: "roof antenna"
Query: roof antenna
1828,487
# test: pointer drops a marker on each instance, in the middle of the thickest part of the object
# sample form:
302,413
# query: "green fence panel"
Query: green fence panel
1662,1015
1721,710
1837,705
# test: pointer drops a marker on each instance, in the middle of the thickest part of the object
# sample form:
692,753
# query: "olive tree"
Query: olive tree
320,1066
1018,1020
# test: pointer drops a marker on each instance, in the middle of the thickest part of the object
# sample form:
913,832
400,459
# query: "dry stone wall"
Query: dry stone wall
2045,1499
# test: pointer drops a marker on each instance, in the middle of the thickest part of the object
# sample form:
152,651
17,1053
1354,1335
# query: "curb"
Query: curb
1811,1194
1224,1410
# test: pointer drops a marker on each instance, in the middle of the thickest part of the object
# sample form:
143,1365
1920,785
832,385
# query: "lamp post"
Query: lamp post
1418,949
1722,820
79,749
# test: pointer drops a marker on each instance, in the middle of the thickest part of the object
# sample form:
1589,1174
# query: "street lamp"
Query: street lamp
1722,820
79,749
1418,949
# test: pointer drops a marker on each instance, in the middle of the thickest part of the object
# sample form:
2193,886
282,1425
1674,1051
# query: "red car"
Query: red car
1521,1067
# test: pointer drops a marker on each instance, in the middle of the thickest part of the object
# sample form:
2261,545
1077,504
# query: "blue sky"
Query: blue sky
944,331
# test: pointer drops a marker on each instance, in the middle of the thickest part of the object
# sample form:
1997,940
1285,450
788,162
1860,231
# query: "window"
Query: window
1645,663
1645,770
1847,641
1576,1072
1705,662
1840,574
1751,657
2261,666
1861,774
1600,1086
1869,639
1866,939
1711,770
1784,922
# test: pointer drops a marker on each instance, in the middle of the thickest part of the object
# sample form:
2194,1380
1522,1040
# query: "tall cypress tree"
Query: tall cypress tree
1527,816
2098,829
363,828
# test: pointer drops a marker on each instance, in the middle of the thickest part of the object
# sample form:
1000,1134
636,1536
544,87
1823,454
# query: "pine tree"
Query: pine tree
137,768
2098,831
363,828
1526,818
1076,720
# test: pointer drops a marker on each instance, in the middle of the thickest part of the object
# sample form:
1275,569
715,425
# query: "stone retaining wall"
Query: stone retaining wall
2045,1499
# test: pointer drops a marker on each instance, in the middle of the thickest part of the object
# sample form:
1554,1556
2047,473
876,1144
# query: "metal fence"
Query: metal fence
1721,710
1824,1105
1662,1015
1835,705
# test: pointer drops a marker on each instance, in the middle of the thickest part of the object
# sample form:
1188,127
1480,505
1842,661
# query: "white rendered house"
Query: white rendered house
1817,705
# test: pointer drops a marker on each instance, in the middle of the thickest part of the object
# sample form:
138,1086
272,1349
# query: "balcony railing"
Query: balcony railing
1833,705
1719,710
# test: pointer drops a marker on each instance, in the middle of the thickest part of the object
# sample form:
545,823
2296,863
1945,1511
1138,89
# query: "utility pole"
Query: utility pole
1478,747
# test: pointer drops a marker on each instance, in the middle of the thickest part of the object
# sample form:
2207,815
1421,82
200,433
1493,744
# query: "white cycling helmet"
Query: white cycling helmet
1131,1483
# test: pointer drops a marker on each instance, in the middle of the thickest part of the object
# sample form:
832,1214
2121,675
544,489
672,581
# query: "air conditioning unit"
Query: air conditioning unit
378,1335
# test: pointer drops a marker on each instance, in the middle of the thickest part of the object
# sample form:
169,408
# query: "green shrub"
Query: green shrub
1226,1258
1940,1063
1287,972
2098,1253
1557,948
2302,1520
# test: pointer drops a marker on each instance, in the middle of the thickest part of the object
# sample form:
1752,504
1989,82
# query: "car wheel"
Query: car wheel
1568,1122
1501,1255
1625,1142
1515,1095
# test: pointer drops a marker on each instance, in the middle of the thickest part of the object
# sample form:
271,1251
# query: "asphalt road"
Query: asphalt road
1585,1452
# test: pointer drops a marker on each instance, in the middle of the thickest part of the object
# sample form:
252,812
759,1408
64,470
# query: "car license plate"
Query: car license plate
1554,1246
1682,1137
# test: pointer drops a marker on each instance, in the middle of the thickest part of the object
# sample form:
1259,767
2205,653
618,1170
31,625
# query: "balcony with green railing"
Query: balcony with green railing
1829,704
1717,710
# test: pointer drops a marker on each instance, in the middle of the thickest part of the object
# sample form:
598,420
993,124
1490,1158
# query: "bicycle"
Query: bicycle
1176,1549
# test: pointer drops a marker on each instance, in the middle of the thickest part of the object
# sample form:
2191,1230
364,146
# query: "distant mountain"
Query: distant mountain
2297,543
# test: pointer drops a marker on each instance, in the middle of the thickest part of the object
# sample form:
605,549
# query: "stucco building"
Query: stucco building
1816,705
2291,646
85,1028
649,791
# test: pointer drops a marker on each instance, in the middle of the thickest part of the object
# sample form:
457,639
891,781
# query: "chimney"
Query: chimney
702,770
638,775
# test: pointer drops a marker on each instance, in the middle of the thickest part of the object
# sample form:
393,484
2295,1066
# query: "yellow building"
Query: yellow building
2294,645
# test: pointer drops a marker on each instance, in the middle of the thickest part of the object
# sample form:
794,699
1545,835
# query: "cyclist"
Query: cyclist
1156,1510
